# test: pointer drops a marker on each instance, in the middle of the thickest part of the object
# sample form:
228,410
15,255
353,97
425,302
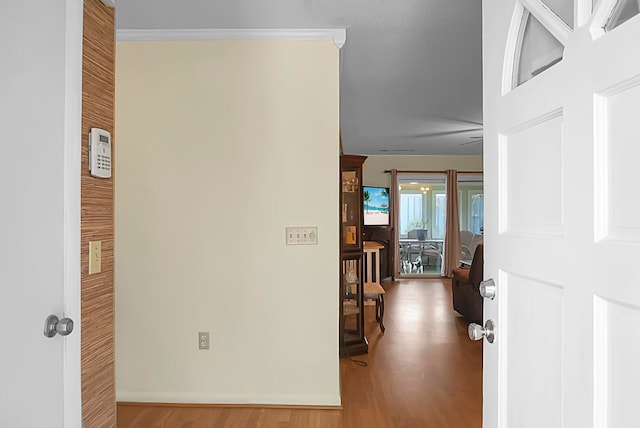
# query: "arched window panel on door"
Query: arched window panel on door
537,50
622,12
562,8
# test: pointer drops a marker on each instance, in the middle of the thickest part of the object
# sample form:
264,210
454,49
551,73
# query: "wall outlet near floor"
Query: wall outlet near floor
301,235
203,340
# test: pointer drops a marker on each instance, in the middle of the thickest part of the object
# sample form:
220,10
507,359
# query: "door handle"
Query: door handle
53,326
477,332
488,289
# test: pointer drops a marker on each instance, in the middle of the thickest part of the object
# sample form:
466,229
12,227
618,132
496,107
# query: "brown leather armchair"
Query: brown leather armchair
466,295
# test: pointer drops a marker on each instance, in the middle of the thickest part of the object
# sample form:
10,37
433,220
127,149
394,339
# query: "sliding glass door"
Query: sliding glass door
421,223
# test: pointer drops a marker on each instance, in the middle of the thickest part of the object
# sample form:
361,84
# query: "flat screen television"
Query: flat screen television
376,205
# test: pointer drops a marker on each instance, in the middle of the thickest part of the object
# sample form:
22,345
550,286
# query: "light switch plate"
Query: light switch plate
95,257
301,235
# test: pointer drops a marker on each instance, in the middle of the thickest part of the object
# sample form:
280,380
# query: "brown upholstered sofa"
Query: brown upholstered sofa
466,296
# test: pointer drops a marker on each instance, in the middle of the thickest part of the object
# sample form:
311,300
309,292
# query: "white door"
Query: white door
562,148
40,113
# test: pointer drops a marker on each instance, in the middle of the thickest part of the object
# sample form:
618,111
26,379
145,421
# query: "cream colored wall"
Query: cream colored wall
373,172
220,145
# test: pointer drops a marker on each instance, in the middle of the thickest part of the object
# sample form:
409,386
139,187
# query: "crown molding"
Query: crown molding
338,35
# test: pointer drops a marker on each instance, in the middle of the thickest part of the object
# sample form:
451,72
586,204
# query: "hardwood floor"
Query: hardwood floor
422,372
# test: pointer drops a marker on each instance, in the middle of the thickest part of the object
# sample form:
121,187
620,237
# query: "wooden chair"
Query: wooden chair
374,291
372,288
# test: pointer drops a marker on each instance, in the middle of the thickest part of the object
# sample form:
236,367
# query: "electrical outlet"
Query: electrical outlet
203,340
301,235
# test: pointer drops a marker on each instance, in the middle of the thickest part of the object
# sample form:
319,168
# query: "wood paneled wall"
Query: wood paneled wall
98,98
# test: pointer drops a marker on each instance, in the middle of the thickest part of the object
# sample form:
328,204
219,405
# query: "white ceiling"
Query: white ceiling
411,69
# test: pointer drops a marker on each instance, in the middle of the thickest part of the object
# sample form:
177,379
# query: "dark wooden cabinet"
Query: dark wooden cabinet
352,340
383,235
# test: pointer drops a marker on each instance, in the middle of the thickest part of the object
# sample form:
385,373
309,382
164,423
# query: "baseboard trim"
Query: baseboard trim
229,406
228,399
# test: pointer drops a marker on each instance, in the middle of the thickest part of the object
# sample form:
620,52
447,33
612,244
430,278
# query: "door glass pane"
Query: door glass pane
439,214
539,50
624,10
410,211
477,213
562,8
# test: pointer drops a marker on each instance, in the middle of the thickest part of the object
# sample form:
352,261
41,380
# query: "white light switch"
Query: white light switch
301,235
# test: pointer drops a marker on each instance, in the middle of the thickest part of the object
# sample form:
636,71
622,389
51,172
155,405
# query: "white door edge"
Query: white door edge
72,171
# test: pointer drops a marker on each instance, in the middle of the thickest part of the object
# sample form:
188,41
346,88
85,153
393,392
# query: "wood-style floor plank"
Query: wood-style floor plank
422,372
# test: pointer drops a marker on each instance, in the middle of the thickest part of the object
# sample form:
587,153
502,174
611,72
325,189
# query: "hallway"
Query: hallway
423,372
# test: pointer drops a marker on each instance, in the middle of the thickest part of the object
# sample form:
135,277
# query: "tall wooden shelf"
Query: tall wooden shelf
352,340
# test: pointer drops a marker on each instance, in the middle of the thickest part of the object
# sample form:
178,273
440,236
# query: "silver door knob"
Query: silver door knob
53,326
488,289
477,332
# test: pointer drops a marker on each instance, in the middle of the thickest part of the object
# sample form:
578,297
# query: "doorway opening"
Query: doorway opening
422,216
421,223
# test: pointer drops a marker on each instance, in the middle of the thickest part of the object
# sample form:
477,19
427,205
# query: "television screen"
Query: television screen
376,206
